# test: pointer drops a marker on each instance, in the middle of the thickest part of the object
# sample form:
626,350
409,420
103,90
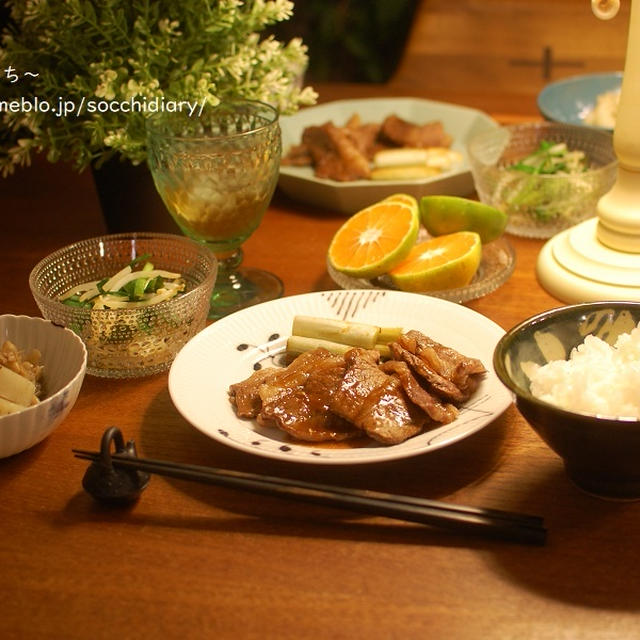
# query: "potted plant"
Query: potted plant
79,77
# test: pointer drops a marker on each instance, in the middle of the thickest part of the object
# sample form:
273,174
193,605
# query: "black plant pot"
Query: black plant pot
129,199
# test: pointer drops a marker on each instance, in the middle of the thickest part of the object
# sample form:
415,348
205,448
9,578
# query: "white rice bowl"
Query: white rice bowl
598,378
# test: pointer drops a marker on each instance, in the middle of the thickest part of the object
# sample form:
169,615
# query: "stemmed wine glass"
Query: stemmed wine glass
216,173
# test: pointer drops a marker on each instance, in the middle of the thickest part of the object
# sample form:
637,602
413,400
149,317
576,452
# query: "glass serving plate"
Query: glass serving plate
498,262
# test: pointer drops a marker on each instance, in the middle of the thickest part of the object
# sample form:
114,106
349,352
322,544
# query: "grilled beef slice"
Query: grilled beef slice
245,395
334,154
402,133
298,401
374,401
452,375
439,411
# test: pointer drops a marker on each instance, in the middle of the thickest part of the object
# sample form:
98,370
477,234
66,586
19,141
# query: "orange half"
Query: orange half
444,262
402,197
374,240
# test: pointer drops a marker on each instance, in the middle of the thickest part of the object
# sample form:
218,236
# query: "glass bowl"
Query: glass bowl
127,343
541,205
600,452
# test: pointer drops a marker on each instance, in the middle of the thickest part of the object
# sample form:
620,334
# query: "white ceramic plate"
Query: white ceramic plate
232,348
348,197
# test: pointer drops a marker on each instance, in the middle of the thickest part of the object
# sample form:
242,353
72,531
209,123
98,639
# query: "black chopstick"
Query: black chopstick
490,522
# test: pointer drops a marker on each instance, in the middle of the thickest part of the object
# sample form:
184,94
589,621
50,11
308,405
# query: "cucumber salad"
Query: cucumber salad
131,287
527,190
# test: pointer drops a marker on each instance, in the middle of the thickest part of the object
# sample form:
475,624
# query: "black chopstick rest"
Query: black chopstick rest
111,485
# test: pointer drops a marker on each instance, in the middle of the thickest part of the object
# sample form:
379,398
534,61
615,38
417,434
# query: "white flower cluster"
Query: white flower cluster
119,50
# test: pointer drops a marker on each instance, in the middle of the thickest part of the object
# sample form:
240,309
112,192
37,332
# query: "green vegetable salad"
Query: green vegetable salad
529,188
128,288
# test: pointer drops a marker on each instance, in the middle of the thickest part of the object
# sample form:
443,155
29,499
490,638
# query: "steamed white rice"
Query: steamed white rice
597,378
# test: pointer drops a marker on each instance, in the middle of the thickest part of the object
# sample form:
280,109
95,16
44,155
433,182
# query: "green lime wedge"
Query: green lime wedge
448,214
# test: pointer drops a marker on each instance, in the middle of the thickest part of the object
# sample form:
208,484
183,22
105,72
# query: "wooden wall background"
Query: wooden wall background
513,46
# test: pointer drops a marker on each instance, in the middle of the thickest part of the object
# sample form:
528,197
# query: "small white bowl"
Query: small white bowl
64,357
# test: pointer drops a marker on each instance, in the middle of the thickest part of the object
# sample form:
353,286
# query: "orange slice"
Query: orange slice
375,239
446,262
402,197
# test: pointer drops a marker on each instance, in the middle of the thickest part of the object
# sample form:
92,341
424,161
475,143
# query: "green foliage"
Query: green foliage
119,51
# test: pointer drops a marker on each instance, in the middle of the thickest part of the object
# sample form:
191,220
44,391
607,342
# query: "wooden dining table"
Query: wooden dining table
195,561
